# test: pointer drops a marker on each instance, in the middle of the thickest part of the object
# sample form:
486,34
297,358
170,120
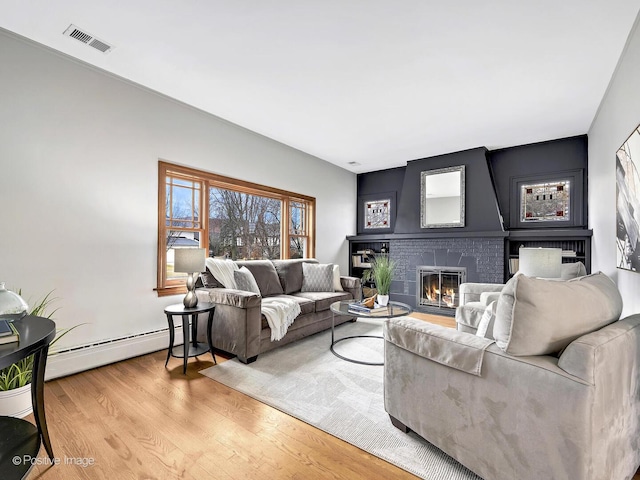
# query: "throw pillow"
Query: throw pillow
245,281
265,275
290,273
535,316
337,286
209,281
485,327
317,277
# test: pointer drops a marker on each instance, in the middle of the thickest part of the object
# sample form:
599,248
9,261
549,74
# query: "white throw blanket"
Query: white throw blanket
280,314
222,270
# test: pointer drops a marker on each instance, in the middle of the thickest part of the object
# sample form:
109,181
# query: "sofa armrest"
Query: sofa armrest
237,321
228,296
353,285
446,346
470,292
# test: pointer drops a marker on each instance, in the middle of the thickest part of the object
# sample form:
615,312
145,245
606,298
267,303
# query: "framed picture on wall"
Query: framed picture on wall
628,203
547,201
377,212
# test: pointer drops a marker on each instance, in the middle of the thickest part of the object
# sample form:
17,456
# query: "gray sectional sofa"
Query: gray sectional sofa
240,328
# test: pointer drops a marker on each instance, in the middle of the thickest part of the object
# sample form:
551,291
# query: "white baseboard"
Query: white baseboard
92,356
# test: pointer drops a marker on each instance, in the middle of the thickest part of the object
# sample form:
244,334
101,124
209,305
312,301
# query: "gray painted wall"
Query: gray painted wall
79,150
618,115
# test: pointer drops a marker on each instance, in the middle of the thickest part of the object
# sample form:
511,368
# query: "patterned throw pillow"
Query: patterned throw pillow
317,277
245,281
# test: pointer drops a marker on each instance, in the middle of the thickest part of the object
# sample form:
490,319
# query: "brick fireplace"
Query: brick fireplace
481,258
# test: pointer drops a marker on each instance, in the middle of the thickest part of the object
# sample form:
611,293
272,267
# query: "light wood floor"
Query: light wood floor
137,420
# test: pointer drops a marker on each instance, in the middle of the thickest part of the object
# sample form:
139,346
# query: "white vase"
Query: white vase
382,300
17,402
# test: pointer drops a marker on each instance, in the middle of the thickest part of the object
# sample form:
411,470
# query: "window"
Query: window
231,218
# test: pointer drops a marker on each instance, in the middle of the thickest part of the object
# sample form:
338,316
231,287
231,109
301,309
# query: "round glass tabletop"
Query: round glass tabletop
393,309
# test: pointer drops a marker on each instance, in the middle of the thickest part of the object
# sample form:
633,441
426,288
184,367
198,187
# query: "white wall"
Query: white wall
618,115
79,153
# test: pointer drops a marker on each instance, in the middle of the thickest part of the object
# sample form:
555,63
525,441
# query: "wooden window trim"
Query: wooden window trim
173,287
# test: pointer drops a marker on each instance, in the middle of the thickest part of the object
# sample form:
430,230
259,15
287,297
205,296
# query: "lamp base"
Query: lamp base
191,299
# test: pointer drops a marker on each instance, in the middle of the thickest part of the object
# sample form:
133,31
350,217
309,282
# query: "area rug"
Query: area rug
305,380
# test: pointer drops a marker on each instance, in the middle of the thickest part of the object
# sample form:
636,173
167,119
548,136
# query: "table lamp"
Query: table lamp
541,262
191,261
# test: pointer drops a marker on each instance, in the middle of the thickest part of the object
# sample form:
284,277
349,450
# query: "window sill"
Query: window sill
174,290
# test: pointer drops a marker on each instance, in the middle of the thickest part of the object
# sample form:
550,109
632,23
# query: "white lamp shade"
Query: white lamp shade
541,262
189,260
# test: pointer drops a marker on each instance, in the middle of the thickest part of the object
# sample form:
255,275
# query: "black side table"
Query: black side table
18,438
189,348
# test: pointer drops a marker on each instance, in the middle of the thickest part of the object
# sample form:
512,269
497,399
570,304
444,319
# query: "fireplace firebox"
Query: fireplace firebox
439,286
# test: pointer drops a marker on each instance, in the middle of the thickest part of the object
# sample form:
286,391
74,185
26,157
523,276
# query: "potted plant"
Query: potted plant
15,380
381,271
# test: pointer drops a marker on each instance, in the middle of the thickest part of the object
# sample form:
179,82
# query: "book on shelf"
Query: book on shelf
357,261
8,333
569,253
514,265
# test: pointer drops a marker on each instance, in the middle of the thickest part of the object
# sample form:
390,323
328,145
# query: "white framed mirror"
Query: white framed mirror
442,198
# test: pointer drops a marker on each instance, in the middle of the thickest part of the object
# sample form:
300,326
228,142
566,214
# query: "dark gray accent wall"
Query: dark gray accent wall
378,185
550,157
488,182
481,211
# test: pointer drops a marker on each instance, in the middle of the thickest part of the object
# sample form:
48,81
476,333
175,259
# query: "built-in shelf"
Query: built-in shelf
575,243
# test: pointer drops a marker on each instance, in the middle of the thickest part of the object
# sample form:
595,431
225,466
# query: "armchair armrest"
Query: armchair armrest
612,350
487,297
470,292
446,346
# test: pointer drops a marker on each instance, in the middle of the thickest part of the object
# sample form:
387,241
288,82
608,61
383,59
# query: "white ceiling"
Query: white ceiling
378,82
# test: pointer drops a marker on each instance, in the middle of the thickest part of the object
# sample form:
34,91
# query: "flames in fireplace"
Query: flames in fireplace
440,286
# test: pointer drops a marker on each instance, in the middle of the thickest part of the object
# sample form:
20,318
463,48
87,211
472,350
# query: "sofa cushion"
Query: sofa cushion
245,281
290,273
317,278
537,316
265,275
323,300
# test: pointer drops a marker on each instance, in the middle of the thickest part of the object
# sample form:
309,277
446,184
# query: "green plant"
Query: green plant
19,374
381,271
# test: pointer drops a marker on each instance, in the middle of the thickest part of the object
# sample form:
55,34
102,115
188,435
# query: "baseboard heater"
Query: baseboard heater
85,357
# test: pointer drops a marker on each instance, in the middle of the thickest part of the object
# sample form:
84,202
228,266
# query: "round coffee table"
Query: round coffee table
393,309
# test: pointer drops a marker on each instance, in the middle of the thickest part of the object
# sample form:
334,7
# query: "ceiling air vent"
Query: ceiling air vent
88,39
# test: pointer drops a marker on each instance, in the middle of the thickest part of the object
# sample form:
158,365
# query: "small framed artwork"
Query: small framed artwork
628,203
377,213
545,201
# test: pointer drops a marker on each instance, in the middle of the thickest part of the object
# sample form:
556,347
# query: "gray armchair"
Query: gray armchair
555,396
475,297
